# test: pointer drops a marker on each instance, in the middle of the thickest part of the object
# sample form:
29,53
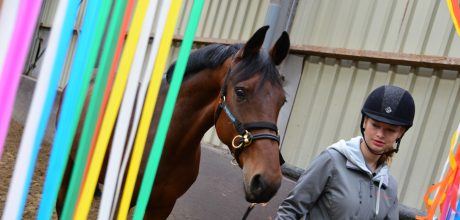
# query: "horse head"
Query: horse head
245,120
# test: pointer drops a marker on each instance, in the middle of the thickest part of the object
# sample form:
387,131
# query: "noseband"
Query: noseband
245,137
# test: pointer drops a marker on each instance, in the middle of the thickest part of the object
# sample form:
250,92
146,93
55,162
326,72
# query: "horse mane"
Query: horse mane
206,57
213,55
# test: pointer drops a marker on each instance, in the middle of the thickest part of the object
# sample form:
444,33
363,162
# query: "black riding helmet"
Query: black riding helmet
389,104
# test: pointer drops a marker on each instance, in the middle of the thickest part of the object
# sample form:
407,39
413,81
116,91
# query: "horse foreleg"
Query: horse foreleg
159,210
64,185
164,197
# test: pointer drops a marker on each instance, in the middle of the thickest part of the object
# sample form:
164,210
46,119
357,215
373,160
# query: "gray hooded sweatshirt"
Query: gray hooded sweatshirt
339,185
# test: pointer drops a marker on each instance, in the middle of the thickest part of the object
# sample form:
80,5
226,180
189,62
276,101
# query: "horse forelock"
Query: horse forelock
207,57
258,64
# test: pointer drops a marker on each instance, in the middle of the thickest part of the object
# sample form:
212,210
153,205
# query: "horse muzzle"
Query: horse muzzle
260,190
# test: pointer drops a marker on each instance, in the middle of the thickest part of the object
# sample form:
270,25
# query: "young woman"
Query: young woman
350,179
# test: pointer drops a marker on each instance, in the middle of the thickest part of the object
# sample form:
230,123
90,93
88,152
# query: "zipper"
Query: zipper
374,212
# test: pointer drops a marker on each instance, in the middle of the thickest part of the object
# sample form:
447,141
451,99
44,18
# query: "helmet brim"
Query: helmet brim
386,120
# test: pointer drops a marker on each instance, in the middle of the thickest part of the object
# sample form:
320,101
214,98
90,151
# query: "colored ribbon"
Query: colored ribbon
446,190
84,145
124,116
14,61
42,102
89,186
147,112
157,147
8,14
454,9
141,96
88,45
110,79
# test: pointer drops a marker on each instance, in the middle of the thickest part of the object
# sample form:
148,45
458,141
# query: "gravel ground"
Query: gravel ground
6,171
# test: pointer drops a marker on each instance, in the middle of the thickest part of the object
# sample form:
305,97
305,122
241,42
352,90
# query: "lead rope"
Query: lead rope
248,210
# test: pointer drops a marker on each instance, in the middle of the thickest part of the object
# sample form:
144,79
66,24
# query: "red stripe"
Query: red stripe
456,10
120,43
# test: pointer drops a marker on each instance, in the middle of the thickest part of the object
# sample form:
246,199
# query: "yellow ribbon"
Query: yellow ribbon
110,115
147,111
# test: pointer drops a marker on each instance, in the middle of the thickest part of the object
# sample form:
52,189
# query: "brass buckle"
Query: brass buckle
247,140
236,146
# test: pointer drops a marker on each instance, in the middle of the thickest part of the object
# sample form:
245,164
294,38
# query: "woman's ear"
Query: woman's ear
365,122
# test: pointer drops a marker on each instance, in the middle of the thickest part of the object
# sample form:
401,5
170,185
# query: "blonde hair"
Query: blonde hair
388,158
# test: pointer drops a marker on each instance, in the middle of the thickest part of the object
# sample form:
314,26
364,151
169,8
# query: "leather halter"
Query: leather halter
245,137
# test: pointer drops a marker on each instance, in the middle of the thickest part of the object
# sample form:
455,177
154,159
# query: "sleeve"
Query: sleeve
308,188
393,213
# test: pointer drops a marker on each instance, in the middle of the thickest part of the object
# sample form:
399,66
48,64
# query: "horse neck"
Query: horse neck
197,102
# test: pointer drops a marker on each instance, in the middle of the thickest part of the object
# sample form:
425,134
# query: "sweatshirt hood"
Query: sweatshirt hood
355,160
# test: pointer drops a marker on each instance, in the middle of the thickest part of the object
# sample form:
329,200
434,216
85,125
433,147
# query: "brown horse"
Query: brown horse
236,88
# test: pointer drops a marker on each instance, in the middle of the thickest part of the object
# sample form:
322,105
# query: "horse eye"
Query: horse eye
240,93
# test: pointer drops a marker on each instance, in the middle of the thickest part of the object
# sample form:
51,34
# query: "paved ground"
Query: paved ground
218,192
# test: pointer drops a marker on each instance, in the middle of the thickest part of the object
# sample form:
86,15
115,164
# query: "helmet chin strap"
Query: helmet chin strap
395,150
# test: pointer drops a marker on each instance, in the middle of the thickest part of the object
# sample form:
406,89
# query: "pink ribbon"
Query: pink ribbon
14,62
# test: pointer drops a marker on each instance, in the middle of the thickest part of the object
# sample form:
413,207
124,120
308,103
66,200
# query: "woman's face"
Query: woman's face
381,136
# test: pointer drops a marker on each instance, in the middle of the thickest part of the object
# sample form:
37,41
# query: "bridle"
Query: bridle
245,137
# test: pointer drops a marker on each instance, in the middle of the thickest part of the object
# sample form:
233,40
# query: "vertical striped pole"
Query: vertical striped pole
157,148
8,14
147,112
141,97
88,45
107,56
14,61
124,116
110,79
42,103
89,186
454,9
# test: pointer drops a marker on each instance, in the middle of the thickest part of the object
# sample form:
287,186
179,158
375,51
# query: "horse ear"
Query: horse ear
280,50
255,42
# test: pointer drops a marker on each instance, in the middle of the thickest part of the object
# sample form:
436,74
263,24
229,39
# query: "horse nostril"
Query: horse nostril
257,185
259,190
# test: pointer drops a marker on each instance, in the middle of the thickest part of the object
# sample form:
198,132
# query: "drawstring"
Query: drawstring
377,206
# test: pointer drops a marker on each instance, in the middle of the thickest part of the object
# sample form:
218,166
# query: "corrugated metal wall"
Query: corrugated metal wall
327,108
226,19
331,91
408,26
